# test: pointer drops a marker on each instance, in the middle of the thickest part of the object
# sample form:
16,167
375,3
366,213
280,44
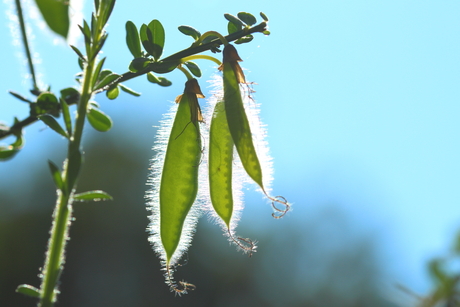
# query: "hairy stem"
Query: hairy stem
55,256
26,45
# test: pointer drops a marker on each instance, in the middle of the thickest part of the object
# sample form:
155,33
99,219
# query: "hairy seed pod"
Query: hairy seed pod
221,181
236,115
173,196
238,124
220,164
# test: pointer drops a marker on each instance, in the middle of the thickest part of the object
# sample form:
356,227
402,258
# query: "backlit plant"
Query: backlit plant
201,156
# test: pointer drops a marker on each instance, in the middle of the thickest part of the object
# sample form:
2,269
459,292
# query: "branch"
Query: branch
130,75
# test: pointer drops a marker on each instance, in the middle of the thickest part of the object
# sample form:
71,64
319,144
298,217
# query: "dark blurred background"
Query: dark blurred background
317,260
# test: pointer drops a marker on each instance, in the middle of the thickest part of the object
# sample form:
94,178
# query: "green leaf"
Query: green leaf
147,39
106,81
53,124
66,115
247,18
104,73
70,95
164,82
56,15
158,38
132,39
47,103
28,290
99,120
128,90
264,17
106,10
232,28
113,92
80,63
56,175
234,20
20,97
78,52
7,152
97,71
164,67
100,44
209,38
139,64
244,39
152,78
266,32
190,31
194,69
96,195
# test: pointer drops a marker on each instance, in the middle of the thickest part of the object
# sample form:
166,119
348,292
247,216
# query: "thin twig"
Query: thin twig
130,75
26,44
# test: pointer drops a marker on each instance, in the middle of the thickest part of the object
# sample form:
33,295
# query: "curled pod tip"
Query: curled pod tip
241,131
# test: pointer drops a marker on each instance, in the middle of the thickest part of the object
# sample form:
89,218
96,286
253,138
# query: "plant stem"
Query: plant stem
26,45
55,256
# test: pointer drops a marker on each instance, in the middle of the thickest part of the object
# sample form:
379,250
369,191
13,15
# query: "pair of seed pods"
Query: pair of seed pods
178,186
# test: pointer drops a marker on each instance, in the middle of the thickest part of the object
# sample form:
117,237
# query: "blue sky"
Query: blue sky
361,99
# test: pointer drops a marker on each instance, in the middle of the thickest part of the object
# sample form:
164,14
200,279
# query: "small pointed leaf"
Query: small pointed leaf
53,124
66,115
20,97
57,178
78,52
264,17
128,90
133,40
99,120
96,195
247,18
97,71
28,290
190,31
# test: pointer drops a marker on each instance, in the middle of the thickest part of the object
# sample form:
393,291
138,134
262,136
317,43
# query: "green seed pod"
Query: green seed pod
175,186
222,185
238,123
